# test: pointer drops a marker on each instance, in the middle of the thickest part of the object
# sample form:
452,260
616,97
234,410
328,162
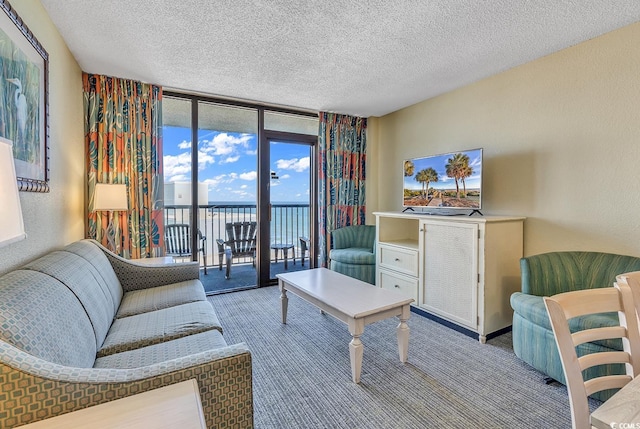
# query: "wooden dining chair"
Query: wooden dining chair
565,306
633,280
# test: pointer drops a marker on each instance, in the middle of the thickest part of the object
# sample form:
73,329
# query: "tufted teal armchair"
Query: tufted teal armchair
551,273
353,252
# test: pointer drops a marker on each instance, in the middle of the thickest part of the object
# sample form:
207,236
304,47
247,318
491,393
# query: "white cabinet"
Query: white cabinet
461,269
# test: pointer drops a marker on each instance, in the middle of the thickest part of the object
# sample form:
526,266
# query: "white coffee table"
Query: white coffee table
352,301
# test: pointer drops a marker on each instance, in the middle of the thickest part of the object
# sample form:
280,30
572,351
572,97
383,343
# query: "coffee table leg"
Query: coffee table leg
403,334
356,349
284,302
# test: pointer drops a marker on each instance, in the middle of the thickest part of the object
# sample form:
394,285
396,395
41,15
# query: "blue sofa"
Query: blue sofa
551,273
353,252
81,326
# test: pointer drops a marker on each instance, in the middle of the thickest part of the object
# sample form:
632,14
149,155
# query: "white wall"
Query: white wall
55,218
561,139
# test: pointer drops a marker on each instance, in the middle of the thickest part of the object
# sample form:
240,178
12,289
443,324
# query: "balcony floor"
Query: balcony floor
243,276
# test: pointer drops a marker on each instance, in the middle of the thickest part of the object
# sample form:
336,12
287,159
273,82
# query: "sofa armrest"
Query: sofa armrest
134,276
32,389
531,308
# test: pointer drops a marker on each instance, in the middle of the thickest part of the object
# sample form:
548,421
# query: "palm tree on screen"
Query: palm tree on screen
465,172
408,168
455,169
425,177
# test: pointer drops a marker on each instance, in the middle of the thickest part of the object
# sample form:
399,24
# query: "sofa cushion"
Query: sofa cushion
162,352
107,280
157,298
353,255
140,330
41,316
81,277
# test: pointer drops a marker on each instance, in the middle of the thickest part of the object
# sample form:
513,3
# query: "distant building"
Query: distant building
179,193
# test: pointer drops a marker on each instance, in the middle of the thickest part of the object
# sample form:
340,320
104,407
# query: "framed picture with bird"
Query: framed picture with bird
24,106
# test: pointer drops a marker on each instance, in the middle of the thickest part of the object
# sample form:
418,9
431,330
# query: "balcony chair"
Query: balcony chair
177,242
240,242
305,245
353,252
581,303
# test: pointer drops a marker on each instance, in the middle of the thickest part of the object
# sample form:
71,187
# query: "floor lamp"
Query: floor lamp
11,224
109,197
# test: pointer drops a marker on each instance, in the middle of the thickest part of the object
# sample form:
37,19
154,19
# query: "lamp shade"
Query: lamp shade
11,224
110,196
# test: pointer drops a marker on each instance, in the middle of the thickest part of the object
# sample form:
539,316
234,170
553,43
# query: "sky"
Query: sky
227,162
439,163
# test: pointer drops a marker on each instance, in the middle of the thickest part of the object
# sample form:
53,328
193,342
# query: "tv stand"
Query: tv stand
459,268
476,211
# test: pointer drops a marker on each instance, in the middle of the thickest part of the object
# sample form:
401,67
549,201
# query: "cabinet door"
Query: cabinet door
450,287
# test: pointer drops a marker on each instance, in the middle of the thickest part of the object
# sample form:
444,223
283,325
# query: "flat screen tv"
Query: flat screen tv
451,181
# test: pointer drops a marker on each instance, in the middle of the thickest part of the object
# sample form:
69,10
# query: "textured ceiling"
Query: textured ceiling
362,57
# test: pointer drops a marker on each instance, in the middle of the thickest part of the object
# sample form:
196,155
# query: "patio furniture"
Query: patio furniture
284,248
305,245
240,242
177,242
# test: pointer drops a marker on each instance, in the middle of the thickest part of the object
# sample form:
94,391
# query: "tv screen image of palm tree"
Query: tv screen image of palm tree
450,180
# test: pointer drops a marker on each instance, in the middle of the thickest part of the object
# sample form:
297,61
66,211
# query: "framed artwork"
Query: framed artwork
24,105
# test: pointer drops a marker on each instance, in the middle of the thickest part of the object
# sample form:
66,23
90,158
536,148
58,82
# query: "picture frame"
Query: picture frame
24,100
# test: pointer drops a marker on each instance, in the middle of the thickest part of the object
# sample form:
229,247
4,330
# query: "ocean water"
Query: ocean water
289,221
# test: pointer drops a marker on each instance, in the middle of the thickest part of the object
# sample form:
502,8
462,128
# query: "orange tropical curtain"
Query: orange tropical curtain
123,137
342,145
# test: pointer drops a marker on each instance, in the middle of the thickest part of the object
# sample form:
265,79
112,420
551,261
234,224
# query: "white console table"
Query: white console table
462,269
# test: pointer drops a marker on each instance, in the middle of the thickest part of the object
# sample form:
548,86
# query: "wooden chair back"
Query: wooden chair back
565,306
632,279
177,239
241,238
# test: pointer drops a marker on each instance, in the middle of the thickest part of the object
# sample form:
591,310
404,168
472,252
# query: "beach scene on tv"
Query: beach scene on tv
450,180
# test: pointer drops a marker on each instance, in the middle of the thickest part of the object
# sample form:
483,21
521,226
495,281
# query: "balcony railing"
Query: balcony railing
289,222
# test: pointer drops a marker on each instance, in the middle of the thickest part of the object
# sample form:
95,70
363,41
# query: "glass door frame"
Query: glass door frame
264,175
264,196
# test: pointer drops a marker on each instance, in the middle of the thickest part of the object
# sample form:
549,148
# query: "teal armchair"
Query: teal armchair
353,252
551,273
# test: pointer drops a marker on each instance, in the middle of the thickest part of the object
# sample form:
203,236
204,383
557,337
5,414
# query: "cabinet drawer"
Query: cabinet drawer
398,259
400,283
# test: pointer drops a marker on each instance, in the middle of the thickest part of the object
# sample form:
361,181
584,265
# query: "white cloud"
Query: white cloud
218,180
177,164
225,144
230,159
298,165
251,152
252,175
244,186
285,176
184,145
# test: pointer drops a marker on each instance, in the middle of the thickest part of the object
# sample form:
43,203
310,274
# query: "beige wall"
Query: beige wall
561,139
56,218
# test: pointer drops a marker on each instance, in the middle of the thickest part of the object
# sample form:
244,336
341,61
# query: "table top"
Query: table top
281,246
623,407
174,406
350,296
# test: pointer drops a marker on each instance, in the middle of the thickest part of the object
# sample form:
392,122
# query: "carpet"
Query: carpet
302,375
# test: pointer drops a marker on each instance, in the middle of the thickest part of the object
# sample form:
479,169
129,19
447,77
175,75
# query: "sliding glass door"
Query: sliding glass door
242,177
